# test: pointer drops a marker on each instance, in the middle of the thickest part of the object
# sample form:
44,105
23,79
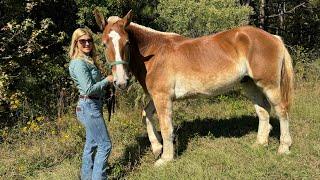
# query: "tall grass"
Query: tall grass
214,140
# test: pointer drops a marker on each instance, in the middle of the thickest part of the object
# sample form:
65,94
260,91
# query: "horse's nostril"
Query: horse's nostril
122,86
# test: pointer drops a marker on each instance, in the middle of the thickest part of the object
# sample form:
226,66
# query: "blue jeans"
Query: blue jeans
98,144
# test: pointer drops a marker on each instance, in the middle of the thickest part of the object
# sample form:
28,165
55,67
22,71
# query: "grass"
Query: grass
218,143
214,140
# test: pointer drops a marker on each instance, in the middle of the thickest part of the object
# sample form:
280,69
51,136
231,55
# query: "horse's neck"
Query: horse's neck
142,39
142,36
146,37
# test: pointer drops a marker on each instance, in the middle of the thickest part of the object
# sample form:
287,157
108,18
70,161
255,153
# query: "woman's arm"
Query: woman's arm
81,74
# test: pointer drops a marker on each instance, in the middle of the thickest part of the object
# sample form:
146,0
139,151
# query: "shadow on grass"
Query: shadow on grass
130,158
233,127
184,132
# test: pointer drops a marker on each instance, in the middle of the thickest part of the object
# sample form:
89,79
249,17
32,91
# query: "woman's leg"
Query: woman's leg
104,146
90,145
88,157
100,135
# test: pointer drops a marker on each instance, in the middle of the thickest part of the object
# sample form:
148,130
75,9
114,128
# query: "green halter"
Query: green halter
119,62
116,63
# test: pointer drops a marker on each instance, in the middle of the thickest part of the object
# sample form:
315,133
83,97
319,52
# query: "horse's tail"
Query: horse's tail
287,79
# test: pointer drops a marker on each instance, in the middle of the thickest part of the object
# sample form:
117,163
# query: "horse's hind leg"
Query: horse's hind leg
274,96
153,135
262,108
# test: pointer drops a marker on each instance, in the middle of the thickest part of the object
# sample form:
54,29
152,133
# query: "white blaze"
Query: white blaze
121,76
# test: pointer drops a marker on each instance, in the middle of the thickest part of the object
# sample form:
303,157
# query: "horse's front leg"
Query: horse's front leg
153,135
163,105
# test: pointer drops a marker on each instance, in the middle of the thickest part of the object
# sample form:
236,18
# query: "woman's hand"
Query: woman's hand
110,79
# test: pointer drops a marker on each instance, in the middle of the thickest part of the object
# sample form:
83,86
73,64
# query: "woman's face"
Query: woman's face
85,44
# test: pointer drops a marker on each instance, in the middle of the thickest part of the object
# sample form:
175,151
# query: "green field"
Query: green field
214,140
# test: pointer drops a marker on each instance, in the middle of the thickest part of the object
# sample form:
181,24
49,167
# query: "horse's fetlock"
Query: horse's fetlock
262,141
286,140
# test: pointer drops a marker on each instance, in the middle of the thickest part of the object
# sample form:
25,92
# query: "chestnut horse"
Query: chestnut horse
170,67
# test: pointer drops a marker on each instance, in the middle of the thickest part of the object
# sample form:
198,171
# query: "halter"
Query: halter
109,65
111,101
118,62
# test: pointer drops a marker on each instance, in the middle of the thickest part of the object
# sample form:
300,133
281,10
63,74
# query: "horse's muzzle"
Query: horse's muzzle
121,86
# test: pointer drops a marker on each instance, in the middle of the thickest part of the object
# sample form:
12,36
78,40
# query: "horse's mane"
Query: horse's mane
113,19
148,29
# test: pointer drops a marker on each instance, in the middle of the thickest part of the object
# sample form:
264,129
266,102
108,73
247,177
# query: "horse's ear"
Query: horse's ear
99,19
127,18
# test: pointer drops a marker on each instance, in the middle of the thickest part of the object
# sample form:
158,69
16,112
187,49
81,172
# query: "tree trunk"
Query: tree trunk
262,15
281,17
246,2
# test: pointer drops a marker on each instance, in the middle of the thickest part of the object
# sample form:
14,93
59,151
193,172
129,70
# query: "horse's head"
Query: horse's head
115,39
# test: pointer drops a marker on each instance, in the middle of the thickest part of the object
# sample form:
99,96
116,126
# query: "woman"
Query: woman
87,77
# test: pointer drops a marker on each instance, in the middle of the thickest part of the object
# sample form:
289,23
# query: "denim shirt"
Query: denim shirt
87,77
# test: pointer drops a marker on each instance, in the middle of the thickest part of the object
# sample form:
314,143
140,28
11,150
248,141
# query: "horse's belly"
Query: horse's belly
186,88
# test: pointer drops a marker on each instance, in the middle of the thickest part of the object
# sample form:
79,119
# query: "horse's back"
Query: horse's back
213,62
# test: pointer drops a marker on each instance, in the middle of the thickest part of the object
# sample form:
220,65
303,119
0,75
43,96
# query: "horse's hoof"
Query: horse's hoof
161,162
263,143
156,150
157,153
283,149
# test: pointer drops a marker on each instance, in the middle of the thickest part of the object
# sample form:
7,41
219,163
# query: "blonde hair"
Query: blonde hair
74,50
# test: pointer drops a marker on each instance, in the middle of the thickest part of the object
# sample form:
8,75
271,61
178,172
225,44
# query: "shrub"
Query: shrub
194,18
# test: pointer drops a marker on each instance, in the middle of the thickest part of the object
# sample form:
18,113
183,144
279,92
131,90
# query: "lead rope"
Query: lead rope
111,102
111,96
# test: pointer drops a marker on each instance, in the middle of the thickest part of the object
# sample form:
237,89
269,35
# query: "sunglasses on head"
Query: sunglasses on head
85,41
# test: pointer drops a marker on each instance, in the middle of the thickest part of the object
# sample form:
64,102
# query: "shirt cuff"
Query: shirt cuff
105,82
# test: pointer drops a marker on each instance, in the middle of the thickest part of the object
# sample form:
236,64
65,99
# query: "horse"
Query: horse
170,67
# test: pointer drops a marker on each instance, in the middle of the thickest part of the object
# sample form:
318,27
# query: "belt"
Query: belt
89,97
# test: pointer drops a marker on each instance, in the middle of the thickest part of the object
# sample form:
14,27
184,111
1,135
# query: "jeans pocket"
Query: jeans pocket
80,112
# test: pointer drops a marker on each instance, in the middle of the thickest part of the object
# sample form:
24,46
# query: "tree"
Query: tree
33,36
298,22
144,11
199,17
